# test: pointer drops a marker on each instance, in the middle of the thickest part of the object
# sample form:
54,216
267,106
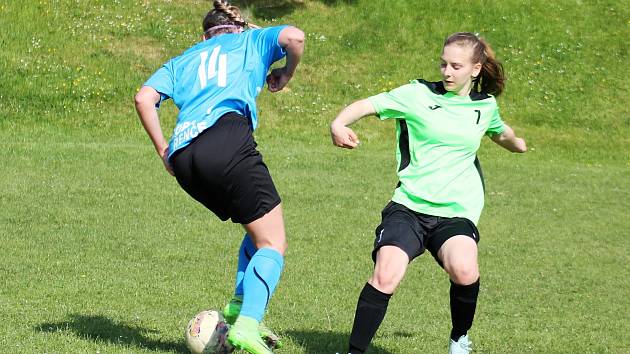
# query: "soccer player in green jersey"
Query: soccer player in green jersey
439,197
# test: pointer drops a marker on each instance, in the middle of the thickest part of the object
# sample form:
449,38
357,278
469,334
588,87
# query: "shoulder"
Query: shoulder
265,32
485,101
194,50
201,45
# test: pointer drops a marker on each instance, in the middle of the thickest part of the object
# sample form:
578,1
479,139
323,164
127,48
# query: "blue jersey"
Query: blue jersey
220,75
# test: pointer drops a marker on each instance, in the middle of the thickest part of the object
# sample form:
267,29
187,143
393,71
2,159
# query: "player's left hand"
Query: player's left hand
277,79
520,145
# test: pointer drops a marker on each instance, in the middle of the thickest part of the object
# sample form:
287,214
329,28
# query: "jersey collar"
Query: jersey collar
438,89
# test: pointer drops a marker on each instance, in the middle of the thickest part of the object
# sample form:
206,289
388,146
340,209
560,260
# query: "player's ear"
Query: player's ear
476,69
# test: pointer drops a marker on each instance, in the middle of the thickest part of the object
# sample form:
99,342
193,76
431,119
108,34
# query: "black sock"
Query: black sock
463,304
370,312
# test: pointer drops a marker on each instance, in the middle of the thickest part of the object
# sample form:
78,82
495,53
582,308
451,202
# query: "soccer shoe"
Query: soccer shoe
269,336
244,335
231,312
462,346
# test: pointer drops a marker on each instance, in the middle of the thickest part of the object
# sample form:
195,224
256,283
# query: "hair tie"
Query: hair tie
211,29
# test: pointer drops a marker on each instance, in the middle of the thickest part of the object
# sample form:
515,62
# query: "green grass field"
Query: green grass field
102,252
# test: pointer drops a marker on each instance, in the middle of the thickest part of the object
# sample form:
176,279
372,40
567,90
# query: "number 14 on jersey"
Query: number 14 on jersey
209,69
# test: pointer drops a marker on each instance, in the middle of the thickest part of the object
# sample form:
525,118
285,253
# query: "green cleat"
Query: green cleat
272,339
233,309
244,335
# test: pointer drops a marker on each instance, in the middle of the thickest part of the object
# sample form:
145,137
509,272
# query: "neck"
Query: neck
221,29
465,91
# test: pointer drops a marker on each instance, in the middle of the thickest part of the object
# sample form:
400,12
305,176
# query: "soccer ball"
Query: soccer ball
207,333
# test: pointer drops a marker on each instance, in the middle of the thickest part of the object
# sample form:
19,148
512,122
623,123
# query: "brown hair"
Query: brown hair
491,78
223,14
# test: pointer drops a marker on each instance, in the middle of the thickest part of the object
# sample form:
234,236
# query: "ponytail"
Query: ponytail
491,78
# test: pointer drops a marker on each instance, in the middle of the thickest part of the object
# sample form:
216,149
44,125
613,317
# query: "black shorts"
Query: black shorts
222,170
414,232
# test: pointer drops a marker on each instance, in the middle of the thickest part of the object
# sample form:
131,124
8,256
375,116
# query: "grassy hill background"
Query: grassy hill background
103,252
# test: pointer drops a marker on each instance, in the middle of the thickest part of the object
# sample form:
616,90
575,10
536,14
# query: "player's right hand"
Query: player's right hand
277,79
343,137
167,164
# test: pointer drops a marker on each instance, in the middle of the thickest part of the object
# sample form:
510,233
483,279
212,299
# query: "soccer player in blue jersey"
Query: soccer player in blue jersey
438,201
212,152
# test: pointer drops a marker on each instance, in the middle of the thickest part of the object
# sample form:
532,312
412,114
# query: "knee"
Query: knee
282,247
463,274
386,283
276,244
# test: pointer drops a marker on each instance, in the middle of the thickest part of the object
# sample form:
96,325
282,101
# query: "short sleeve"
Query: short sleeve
496,123
163,81
266,40
391,104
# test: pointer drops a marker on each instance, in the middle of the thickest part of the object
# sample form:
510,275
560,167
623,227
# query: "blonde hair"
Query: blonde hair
491,78
222,17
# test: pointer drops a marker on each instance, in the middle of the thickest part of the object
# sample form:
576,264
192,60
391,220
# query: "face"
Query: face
457,68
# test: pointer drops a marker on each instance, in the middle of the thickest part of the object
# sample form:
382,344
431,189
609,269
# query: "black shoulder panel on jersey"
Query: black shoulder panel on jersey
435,87
438,89
478,96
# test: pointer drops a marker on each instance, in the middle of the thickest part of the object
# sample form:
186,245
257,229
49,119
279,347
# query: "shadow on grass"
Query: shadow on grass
269,9
315,342
103,329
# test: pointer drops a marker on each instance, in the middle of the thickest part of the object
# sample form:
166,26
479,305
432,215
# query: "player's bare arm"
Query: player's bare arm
509,141
342,136
145,101
292,40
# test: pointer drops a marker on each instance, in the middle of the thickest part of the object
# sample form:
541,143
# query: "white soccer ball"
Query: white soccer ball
207,333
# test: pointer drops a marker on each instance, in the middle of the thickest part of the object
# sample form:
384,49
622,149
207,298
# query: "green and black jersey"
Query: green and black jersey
438,135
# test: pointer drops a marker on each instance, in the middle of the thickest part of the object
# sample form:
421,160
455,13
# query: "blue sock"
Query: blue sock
247,251
261,277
